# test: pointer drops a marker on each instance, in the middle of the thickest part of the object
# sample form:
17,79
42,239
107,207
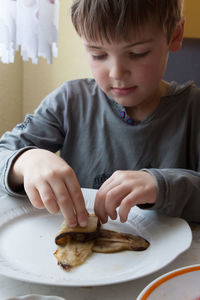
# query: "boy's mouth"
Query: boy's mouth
123,91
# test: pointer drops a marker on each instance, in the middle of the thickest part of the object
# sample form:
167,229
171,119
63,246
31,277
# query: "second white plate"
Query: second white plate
27,246
36,297
181,284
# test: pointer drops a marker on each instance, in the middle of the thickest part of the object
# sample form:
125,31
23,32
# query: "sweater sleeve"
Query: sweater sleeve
178,193
179,182
44,129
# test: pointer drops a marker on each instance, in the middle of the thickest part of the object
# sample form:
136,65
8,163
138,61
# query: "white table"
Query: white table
129,290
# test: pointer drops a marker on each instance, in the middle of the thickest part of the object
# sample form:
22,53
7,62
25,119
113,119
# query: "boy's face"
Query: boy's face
131,72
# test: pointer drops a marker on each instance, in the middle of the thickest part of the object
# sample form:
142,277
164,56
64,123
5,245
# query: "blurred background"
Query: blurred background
23,85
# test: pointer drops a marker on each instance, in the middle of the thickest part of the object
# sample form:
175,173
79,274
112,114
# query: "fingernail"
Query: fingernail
104,221
114,217
122,220
83,223
72,225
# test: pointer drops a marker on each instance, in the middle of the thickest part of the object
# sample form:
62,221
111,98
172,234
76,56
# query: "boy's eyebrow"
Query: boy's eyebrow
127,46
139,43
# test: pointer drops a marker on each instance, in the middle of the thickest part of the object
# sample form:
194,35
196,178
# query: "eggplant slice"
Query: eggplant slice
75,245
73,254
79,234
110,241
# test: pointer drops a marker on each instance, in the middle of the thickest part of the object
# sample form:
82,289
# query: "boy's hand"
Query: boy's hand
124,189
51,183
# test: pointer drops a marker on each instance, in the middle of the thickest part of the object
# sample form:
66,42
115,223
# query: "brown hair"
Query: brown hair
116,19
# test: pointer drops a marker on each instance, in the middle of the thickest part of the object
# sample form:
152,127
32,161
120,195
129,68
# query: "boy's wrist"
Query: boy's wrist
16,176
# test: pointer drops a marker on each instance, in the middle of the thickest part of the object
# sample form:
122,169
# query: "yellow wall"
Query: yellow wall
192,15
10,94
23,85
71,63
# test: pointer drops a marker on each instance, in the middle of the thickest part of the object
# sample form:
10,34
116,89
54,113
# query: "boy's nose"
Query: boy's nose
118,70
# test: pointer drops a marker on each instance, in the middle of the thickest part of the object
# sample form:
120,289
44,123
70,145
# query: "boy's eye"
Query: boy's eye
99,57
139,55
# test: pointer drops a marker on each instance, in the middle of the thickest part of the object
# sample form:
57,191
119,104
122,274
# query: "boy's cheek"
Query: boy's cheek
101,78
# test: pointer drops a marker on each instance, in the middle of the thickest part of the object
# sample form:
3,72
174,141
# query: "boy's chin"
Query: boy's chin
124,102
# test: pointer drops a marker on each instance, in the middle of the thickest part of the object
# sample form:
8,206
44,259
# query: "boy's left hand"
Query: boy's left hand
124,189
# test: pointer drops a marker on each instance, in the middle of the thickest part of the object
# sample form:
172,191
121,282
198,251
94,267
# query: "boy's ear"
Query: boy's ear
177,37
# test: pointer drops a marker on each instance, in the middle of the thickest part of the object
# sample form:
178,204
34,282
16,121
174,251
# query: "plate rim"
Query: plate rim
153,285
36,297
117,279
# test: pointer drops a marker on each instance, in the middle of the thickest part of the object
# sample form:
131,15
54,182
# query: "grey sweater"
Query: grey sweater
95,136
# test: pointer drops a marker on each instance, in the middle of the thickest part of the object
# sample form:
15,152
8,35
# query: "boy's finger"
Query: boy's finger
106,202
64,202
48,198
34,197
77,198
99,208
127,203
113,200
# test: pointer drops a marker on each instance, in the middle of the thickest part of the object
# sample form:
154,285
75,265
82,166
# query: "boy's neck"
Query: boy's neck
140,113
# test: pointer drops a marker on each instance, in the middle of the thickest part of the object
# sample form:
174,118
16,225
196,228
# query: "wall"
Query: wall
191,12
10,94
71,63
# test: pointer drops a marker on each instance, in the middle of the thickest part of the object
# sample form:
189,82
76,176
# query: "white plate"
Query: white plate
36,297
183,283
27,246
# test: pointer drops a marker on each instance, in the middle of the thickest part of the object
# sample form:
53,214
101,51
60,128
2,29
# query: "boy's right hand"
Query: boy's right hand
51,183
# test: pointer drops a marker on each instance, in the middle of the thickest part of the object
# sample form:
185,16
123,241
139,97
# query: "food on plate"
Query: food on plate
110,241
73,254
79,234
75,245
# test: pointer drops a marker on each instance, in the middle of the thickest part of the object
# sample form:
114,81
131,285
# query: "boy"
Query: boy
126,132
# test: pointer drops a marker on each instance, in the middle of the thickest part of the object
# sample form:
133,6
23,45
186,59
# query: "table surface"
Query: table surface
126,291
